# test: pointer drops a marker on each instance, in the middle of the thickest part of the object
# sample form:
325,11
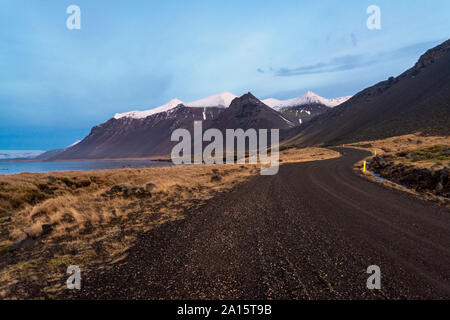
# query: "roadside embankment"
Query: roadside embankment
422,170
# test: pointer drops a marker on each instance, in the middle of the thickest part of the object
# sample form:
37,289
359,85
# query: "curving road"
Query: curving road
309,232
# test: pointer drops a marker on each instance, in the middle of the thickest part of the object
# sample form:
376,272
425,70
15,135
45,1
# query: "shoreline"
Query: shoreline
102,159
85,165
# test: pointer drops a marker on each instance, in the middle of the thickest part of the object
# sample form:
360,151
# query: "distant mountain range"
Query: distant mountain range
417,100
147,133
224,99
133,135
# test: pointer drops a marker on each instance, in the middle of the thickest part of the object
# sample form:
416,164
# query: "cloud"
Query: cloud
355,61
260,70
341,63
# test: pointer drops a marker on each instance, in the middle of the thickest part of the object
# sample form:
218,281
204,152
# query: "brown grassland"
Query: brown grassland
51,221
405,143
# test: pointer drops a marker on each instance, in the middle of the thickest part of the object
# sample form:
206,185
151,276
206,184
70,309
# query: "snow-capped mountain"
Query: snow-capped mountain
307,98
148,133
301,109
222,100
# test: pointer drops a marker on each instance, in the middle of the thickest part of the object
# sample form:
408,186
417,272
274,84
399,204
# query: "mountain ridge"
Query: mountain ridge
307,98
128,137
418,100
224,99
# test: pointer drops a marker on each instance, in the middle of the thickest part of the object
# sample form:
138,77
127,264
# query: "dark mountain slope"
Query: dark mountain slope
249,112
417,100
129,137
50,154
303,113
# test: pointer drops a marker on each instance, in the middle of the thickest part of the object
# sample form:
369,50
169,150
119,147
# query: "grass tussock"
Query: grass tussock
435,154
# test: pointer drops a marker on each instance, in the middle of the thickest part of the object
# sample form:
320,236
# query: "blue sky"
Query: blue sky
55,83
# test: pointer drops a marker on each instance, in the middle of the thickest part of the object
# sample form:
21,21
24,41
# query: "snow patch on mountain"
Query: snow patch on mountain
73,144
146,113
218,100
222,100
307,98
287,121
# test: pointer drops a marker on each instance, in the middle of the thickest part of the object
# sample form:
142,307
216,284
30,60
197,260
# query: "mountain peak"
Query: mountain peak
175,102
430,57
245,99
310,94
308,97
248,95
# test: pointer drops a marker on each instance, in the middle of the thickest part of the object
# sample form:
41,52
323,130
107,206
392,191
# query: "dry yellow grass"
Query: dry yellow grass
85,225
82,218
306,154
411,142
